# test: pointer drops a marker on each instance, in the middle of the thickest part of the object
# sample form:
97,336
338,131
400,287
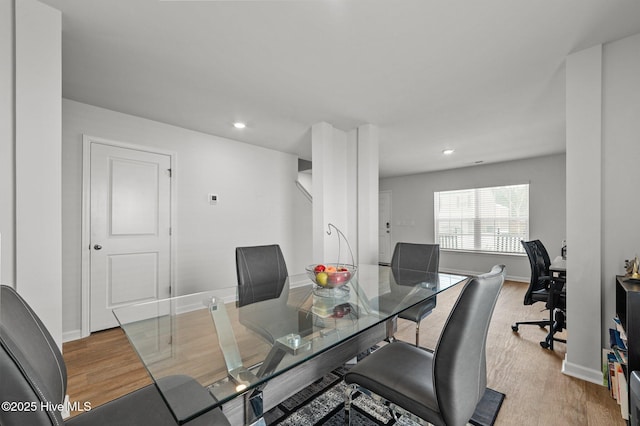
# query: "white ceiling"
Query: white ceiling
483,77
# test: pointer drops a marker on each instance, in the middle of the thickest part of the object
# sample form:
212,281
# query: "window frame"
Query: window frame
476,220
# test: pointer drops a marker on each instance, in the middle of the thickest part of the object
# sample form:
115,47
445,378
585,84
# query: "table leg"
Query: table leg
253,408
391,328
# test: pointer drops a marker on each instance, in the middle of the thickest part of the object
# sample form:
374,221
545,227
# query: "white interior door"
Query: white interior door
130,260
384,226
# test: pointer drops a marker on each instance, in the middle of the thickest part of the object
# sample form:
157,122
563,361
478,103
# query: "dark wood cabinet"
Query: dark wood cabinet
628,311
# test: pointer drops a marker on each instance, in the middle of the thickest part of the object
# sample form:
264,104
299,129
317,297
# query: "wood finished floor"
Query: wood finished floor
103,367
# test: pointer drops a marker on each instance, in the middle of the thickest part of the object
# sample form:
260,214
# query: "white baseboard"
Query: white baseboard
228,298
462,272
299,280
518,279
582,373
69,336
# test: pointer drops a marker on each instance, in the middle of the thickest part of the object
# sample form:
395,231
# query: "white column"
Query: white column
7,145
584,213
331,203
321,134
345,192
38,161
368,189
352,192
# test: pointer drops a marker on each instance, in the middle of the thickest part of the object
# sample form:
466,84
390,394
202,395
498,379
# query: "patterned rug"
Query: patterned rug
322,403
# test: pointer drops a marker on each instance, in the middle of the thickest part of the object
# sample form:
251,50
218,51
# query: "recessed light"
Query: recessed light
239,125
448,151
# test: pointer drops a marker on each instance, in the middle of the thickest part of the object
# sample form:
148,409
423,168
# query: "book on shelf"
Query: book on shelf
621,356
614,380
620,328
609,372
623,393
605,369
615,340
615,361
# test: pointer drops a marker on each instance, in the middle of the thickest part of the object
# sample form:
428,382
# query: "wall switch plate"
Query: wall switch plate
213,198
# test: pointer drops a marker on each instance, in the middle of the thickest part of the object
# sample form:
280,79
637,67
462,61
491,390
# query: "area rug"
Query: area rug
322,403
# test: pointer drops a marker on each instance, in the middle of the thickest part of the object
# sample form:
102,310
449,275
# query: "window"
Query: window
483,219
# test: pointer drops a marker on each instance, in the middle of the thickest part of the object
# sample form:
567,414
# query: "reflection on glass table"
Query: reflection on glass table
233,351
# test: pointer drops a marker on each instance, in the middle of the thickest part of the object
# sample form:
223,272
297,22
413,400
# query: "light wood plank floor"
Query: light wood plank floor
103,367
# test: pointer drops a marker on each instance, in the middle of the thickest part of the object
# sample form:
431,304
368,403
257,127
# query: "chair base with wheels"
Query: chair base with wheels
556,321
558,324
541,324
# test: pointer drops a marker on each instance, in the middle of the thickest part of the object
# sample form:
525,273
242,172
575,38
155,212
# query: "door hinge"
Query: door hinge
170,231
170,173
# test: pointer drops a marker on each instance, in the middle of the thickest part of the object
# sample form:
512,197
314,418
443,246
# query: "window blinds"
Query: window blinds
492,219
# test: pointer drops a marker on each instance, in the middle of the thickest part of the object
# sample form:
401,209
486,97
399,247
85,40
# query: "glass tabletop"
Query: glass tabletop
206,338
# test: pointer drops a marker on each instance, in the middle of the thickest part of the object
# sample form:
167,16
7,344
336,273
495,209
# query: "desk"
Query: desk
558,267
234,351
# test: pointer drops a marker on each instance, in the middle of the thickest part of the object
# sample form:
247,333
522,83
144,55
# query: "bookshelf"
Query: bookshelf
628,311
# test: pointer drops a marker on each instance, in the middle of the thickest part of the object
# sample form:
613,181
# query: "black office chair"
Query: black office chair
442,387
33,372
417,257
542,288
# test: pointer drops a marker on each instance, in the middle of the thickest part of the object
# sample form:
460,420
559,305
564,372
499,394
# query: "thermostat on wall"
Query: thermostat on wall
213,198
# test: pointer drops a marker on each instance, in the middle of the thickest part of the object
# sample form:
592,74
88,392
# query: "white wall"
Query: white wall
413,211
258,202
38,86
620,158
7,145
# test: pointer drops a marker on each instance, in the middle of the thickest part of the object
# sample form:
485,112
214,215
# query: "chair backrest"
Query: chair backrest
539,262
32,369
417,257
459,368
410,261
262,273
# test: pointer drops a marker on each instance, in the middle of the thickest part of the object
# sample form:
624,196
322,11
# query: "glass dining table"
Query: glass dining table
249,358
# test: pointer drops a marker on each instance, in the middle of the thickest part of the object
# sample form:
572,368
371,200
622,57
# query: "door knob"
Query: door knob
97,247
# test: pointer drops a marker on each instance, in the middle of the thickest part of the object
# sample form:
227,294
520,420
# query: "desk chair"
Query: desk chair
417,257
442,387
542,288
33,372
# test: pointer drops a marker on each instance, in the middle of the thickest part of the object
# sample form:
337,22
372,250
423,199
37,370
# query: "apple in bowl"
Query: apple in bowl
330,275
